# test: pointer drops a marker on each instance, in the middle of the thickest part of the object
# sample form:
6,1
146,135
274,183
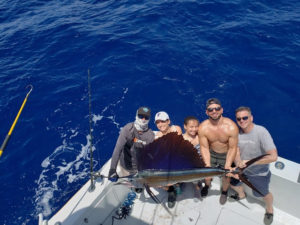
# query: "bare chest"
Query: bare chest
220,135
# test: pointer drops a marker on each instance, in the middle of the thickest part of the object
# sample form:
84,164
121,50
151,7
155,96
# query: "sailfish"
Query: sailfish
171,159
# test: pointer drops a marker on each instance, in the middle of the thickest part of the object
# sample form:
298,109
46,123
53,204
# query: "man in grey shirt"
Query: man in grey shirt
133,136
255,140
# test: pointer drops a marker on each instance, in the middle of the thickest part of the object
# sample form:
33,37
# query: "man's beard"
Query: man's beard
215,119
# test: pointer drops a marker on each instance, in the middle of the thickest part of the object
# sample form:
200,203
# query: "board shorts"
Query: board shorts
260,182
217,159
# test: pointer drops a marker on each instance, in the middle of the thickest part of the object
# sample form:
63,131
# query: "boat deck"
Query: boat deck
98,206
190,210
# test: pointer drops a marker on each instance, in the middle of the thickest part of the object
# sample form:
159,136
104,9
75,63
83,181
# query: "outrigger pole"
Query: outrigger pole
91,135
15,121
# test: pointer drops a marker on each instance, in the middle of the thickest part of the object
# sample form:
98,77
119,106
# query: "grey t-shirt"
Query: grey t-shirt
126,147
254,144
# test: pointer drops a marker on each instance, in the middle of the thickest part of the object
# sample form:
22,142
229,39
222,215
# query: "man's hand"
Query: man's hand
231,169
242,163
234,175
112,175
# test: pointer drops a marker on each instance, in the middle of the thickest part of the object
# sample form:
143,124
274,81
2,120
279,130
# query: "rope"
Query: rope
125,209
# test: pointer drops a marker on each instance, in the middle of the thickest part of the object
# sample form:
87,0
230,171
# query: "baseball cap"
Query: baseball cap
163,116
144,111
212,101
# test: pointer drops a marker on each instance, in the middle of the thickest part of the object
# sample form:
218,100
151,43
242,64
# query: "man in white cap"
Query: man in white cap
133,136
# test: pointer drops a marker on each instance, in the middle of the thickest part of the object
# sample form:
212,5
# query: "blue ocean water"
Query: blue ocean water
168,55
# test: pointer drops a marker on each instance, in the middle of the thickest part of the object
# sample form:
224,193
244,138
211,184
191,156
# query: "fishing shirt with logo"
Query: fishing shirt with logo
128,143
253,144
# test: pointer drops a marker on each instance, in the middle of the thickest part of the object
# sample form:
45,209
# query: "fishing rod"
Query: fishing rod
91,135
4,144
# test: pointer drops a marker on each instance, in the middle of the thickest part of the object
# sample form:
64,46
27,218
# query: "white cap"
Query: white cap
163,116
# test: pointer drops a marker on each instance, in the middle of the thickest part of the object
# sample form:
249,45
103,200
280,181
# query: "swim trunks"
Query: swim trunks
217,159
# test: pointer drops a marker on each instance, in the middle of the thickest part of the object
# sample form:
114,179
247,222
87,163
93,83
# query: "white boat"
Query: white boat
99,206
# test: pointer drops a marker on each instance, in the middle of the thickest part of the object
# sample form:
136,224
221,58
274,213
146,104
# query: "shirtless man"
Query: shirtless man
218,138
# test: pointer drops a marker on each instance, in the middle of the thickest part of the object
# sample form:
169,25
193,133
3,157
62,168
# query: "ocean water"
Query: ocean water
168,55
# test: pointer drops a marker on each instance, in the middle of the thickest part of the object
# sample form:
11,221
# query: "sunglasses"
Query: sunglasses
242,118
216,108
143,117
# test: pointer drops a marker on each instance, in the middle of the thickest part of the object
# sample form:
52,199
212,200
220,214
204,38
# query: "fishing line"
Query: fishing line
91,135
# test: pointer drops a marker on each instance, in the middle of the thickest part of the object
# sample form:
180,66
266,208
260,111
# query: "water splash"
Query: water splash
68,163
56,166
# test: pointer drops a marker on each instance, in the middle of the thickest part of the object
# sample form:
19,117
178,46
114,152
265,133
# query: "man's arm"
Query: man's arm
232,146
271,157
118,149
237,160
204,146
268,146
178,129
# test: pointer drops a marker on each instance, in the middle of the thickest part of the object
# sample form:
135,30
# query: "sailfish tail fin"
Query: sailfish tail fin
243,177
250,162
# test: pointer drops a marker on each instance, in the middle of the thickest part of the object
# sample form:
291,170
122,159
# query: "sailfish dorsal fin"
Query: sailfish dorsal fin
169,152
